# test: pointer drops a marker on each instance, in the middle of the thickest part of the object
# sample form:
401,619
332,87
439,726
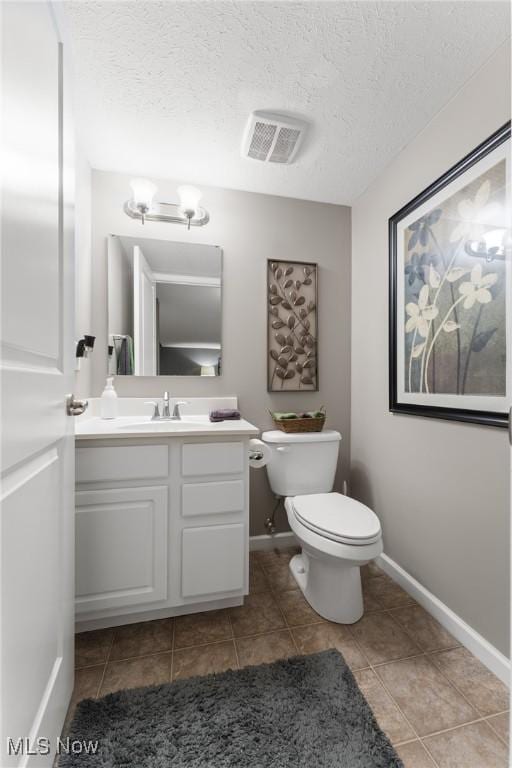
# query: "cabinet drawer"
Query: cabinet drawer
213,559
212,458
212,498
121,547
128,462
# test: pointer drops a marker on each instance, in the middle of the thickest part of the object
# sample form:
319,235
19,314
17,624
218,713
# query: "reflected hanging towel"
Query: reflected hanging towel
125,360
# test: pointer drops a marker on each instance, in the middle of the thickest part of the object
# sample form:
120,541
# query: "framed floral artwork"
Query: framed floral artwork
292,359
450,252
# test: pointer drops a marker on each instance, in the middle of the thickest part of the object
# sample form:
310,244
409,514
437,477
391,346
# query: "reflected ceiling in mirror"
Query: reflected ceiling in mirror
164,307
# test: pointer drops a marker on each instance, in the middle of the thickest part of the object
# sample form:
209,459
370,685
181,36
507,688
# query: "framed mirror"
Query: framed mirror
164,308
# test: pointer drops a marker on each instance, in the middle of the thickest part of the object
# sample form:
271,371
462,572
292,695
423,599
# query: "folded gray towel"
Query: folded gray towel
225,414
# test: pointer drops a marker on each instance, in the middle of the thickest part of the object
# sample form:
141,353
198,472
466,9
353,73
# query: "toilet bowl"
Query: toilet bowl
337,534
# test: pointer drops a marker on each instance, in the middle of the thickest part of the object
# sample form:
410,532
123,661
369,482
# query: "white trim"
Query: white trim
267,542
478,645
191,345
97,621
202,281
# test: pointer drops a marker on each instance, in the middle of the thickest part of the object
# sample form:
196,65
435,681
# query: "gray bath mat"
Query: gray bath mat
305,712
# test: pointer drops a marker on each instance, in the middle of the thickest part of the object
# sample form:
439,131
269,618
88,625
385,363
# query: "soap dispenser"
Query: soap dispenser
109,400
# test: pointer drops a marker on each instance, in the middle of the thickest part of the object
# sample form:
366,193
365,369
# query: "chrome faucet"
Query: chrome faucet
166,415
176,415
165,407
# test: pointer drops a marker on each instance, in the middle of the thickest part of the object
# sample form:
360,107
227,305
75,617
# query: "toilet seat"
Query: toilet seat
338,518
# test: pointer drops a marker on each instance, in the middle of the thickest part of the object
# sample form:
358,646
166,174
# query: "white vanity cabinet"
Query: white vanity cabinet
162,526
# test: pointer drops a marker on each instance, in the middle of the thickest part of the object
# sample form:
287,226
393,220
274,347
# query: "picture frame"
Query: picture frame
450,253
292,326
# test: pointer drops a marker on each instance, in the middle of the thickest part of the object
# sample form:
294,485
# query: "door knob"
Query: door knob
75,407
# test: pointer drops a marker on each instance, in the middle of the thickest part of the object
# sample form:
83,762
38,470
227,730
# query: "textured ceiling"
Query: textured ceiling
164,89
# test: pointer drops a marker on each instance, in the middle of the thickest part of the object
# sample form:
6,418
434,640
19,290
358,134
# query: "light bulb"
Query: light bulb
494,238
189,200
143,192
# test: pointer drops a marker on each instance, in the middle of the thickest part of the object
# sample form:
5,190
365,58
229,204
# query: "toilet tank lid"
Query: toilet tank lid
278,436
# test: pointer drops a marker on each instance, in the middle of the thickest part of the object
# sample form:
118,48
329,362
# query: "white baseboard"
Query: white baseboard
266,542
478,645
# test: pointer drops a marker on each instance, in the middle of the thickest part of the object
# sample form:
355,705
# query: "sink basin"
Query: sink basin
164,426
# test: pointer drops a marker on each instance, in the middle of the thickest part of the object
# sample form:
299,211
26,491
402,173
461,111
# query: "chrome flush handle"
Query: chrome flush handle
75,407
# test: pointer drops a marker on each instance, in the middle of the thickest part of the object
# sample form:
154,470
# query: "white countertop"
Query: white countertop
141,426
134,420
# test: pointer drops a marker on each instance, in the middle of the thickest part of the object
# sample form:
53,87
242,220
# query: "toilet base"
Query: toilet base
331,587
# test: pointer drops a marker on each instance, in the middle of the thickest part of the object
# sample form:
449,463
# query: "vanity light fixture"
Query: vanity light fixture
188,211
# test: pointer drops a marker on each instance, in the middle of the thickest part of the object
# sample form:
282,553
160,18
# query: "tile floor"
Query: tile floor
439,706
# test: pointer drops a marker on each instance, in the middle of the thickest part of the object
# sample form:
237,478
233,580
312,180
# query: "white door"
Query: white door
36,368
144,315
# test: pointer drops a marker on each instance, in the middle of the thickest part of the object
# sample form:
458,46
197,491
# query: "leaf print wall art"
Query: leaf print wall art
450,253
292,326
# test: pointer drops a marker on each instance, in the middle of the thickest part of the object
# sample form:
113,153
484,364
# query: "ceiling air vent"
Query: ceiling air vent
272,138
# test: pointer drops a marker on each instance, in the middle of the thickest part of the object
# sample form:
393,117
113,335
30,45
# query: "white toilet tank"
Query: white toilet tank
302,463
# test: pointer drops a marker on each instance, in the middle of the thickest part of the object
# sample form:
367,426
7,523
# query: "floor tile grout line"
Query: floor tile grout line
90,666
172,648
378,664
233,640
105,667
500,737
406,741
283,615
358,646
454,728
287,626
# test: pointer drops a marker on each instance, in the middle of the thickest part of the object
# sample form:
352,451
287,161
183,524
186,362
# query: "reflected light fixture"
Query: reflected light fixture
142,205
207,370
494,244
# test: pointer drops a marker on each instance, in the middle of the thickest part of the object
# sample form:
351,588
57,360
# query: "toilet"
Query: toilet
337,534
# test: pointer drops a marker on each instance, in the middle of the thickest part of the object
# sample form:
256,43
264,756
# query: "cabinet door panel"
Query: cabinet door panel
123,462
213,458
213,559
121,547
212,498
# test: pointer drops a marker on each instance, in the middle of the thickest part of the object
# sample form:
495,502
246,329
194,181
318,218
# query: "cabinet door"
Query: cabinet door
121,547
213,560
212,458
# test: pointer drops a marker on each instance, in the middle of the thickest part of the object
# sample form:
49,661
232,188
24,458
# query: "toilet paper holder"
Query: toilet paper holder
255,454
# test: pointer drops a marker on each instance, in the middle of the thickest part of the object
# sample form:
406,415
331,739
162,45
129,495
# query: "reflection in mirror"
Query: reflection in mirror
164,308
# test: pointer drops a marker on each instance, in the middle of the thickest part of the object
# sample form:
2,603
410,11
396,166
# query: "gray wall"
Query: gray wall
440,488
250,228
83,268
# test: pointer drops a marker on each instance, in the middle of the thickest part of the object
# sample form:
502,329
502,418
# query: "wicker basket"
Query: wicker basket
310,424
